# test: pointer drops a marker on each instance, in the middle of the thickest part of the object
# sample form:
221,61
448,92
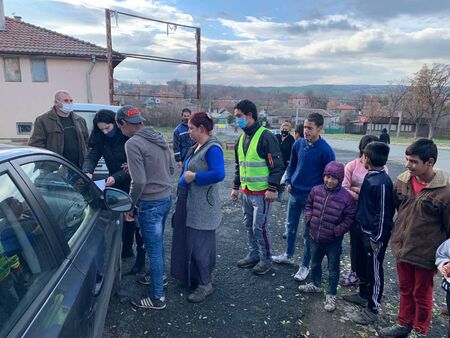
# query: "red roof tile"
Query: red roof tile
345,107
23,38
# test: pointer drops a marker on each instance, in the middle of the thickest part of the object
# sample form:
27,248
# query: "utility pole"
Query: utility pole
198,38
109,55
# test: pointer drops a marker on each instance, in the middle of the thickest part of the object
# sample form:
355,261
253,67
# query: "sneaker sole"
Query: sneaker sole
148,307
247,266
165,284
300,280
260,273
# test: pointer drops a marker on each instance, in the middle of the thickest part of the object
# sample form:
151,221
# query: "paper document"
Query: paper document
100,184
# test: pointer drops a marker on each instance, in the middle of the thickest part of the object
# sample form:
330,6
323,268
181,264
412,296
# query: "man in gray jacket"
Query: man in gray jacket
151,167
61,130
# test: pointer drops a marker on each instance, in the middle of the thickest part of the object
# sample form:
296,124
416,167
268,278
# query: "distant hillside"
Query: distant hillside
331,90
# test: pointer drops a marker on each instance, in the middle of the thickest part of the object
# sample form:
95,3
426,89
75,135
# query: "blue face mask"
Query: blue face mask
112,133
241,122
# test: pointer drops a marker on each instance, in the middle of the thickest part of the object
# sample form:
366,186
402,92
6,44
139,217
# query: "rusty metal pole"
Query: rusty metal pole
109,55
198,37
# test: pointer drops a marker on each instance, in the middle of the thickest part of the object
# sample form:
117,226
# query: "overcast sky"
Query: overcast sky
261,42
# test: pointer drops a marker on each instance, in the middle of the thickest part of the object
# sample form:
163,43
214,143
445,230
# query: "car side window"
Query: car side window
26,259
66,193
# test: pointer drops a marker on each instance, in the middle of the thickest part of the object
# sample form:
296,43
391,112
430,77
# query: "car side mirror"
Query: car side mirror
117,200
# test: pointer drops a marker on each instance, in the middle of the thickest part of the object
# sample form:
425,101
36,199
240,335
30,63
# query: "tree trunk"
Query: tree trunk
430,131
416,132
399,123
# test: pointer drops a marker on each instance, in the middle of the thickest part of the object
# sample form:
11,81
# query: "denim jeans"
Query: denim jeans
333,252
256,218
152,218
296,205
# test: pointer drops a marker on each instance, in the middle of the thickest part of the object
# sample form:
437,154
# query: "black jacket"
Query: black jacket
113,151
267,148
376,205
384,137
286,148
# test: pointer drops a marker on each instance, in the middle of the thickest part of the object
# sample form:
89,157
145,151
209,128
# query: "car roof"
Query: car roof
9,152
92,107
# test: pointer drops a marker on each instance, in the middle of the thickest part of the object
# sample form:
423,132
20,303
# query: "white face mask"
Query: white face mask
67,108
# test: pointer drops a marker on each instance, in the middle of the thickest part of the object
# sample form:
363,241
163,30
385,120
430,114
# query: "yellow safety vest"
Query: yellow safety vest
253,169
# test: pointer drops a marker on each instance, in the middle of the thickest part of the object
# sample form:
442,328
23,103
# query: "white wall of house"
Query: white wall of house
24,101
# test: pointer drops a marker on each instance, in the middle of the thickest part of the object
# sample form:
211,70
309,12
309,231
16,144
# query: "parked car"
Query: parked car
87,111
60,243
275,131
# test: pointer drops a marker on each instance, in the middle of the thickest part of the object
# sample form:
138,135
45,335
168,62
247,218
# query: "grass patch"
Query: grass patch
167,132
440,142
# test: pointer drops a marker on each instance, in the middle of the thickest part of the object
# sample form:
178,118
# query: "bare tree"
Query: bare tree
414,110
371,109
316,101
431,86
395,96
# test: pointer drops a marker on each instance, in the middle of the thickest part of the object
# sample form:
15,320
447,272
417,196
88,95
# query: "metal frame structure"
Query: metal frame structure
108,13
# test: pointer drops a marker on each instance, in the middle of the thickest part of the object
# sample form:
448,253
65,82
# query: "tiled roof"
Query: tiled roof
345,107
303,112
23,38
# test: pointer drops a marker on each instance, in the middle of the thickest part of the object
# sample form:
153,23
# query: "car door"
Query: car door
30,256
90,238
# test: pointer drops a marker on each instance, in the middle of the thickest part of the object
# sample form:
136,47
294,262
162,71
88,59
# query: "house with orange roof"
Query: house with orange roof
35,62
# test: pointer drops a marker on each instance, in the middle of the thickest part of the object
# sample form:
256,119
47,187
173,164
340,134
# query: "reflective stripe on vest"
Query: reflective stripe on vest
253,169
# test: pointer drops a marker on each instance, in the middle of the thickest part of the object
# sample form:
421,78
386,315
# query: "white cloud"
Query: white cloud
260,51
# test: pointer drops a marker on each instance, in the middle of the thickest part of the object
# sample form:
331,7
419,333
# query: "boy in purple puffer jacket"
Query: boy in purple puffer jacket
330,211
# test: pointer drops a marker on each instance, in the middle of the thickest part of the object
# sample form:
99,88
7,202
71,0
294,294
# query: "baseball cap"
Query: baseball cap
130,114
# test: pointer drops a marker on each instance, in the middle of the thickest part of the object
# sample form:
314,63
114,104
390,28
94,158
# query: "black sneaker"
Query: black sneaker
247,262
200,293
395,330
363,317
355,299
146,280
148,303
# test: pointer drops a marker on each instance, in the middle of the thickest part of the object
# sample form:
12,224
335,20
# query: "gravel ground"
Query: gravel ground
245,305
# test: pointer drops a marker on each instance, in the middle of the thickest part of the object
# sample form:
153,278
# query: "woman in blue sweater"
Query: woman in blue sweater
198,210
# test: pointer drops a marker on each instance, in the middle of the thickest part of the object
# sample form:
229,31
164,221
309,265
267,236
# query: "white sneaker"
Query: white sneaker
301,274
283,259
330,303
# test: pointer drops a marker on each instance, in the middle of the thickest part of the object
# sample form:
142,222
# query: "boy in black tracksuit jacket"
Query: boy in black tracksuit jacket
374,221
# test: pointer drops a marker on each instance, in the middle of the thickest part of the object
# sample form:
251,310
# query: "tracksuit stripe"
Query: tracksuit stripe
381,222
376,275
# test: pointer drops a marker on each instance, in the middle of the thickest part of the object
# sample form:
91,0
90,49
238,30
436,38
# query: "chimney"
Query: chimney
2,17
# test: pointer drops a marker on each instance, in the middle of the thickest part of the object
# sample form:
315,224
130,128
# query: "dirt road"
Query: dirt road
244,305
